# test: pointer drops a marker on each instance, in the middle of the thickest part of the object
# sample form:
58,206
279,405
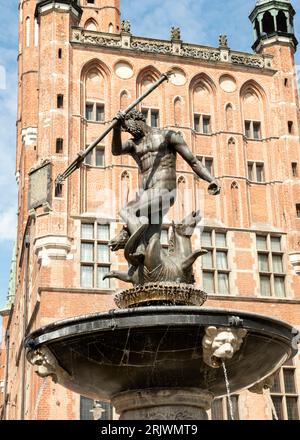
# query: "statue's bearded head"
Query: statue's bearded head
135,124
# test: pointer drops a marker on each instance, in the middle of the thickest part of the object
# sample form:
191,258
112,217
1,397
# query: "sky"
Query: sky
201,22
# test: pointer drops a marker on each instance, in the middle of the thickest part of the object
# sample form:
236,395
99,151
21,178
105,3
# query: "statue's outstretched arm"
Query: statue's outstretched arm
181,147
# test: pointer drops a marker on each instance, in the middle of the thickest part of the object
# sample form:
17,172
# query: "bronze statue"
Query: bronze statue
155,151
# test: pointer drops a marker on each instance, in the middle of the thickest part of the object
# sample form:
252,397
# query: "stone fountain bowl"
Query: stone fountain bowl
104,354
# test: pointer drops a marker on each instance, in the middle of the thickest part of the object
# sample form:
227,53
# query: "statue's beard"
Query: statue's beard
135,129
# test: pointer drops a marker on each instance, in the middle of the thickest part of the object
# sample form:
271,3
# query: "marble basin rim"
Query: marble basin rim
107,353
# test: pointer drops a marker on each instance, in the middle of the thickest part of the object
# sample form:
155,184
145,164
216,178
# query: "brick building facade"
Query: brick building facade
238,112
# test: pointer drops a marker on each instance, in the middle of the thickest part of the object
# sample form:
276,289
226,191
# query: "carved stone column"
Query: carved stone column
163,404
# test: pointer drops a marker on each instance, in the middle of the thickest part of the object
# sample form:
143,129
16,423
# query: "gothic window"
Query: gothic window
124,100
60,101
229,117
215,267
125,188
268,23
36,33
27,30
295,169
59,145
94,255
281,22
94,96
90,25
181,197
110,28
178,112
270,265
202,107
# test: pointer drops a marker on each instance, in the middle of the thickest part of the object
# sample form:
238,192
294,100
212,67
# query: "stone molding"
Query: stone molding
52,247
29,136
163,404
295,261
165,47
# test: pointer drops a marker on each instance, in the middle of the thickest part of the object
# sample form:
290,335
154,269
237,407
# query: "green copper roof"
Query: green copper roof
12,281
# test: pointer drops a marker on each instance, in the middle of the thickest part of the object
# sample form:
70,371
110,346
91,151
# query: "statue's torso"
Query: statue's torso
156,159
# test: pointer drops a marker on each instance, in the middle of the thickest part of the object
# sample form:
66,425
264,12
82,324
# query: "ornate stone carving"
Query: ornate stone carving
203,54
126,26
155,46
83,36
223,41
175,33
220,344
170,293
163,404
248,60
45,364
106,40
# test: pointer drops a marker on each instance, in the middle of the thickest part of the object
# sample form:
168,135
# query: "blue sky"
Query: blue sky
201,21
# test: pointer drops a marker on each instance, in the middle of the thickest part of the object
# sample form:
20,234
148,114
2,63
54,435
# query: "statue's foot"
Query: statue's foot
120,241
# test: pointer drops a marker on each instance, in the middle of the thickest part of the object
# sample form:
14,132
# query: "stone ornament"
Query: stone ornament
175,33
168,293
126,26
46,365
223,41
221,344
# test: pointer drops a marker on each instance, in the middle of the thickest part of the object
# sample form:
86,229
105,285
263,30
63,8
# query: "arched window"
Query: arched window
268,23
202,103
125,189
178,112
253,112
281,22
229,117
94,96
150,105
90,25
231,157
124,101
181,198
27,30
235,202
111,28
36,33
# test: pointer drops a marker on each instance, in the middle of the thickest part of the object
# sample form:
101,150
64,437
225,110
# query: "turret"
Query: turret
101,15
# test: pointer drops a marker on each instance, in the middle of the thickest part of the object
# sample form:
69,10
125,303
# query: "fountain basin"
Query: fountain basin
105,354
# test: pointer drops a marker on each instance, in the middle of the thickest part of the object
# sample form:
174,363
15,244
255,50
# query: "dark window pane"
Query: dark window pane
217,412
99,158
256,130
265,286
145,113
250,171
99,112
295,169
276,388
260,176
59,145
208,282
248,129
154,118
60,101
278,406
197,123
289,381
209,165
86,406
206,124
292,408
263,262
89,158
89,112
